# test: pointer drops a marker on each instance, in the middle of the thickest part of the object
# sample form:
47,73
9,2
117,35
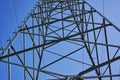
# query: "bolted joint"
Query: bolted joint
74,78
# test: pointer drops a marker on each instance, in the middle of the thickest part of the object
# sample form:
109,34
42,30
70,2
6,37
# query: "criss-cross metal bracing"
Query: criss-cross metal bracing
63,40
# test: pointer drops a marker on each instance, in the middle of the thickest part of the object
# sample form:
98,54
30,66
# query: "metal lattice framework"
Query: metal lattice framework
63,40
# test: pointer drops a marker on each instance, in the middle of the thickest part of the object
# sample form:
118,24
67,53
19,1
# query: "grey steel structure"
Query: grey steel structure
63,40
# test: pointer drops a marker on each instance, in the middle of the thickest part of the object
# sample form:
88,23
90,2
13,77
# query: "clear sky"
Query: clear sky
111,9
12,12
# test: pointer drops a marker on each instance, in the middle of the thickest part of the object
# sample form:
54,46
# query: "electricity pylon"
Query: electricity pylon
63,40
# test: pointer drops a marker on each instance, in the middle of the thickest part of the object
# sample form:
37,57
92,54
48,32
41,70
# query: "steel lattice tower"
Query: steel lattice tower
63,40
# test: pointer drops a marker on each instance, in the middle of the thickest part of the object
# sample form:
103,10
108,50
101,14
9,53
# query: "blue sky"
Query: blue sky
12,12
111,9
